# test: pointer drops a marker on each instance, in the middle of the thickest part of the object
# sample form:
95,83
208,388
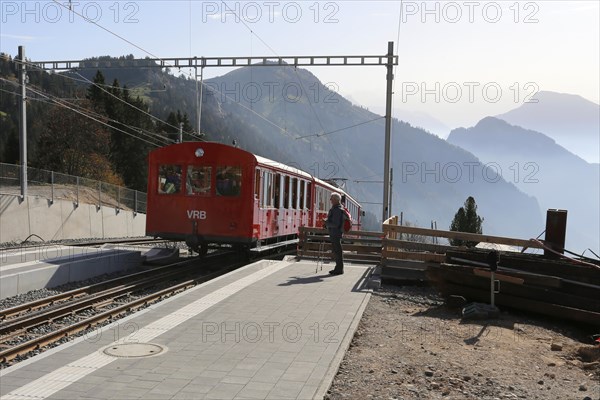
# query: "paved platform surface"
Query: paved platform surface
270,330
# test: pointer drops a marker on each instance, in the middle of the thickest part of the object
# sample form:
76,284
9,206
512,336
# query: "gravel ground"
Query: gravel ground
410,346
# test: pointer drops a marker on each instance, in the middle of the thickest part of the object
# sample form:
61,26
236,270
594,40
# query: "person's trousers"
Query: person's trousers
336,247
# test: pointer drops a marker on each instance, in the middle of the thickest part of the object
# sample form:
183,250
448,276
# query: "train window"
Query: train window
276,190
257,184
286,192
302,194
263,189
282,197
169,179
269,184
198,179
229,181
308,197
294,190
321,196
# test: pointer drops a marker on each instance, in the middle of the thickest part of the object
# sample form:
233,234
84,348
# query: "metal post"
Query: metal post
77,193
199,100
388,136
391,191
492,287
52,187
23,122
181,132
118,199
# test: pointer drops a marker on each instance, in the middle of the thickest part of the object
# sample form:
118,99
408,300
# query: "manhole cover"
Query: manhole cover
131,350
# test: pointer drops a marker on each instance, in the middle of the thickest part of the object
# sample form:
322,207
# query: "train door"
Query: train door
257,217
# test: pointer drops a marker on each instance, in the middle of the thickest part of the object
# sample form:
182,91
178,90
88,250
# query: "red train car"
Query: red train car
210,193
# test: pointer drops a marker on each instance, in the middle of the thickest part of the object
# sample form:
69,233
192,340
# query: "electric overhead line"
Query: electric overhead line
85,80
314,111
131,105
167,64
341,129
87,115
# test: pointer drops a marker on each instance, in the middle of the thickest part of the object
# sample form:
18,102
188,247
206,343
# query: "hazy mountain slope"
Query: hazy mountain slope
542,168
357,153
572,121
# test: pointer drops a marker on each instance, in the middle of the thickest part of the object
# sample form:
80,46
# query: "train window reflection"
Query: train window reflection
169,179
198,179
229,181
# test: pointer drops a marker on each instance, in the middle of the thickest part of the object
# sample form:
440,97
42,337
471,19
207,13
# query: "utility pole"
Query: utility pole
23,122
199,97
388,137
181,132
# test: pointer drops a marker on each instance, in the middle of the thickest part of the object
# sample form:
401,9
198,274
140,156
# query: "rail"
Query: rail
56,186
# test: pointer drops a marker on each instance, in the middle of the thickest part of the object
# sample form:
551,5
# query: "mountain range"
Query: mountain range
572,121
540,167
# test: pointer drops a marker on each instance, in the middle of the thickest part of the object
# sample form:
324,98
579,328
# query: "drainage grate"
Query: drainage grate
134,350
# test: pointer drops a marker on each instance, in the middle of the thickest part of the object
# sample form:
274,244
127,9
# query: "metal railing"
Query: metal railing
56,186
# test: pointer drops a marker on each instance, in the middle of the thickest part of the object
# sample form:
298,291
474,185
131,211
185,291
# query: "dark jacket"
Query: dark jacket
335,221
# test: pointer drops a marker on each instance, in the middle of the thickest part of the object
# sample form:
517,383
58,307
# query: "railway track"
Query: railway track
67,314
91,243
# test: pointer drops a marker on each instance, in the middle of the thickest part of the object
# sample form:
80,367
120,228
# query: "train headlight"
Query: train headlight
199,152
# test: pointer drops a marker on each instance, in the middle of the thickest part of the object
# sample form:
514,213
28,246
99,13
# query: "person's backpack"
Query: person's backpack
347,220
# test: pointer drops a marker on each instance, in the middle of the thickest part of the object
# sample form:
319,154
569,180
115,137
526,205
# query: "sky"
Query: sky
459,61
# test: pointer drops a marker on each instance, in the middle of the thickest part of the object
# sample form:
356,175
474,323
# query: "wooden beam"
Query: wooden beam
474,237
412,255
409,245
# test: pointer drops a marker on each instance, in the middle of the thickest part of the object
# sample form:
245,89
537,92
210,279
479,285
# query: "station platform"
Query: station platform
269,330
23,270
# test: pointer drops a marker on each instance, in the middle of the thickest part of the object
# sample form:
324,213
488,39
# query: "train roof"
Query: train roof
278,165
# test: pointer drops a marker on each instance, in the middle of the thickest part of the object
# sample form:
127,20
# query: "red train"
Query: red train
210,193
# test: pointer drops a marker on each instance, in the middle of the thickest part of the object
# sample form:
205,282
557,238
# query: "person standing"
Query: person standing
334,224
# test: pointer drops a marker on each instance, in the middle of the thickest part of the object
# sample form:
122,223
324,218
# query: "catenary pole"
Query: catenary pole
23,122
388,137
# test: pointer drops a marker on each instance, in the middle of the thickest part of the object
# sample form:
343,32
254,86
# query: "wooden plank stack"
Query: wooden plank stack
566,289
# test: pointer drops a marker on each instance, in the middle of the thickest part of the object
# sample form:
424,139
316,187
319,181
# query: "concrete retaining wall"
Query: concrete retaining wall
24,277
62,220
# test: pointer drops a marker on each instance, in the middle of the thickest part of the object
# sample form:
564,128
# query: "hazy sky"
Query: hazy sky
459,61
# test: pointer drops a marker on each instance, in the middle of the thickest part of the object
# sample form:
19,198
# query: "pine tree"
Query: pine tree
466,220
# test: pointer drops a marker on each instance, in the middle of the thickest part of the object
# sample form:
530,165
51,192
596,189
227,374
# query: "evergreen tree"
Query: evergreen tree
96,93
170,128
466,220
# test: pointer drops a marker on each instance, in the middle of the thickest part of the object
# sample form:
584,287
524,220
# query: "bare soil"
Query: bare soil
410,345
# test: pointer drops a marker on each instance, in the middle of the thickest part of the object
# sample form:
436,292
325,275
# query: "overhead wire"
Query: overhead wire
164,62
131,105
252,32
100,86
341,129
87,115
